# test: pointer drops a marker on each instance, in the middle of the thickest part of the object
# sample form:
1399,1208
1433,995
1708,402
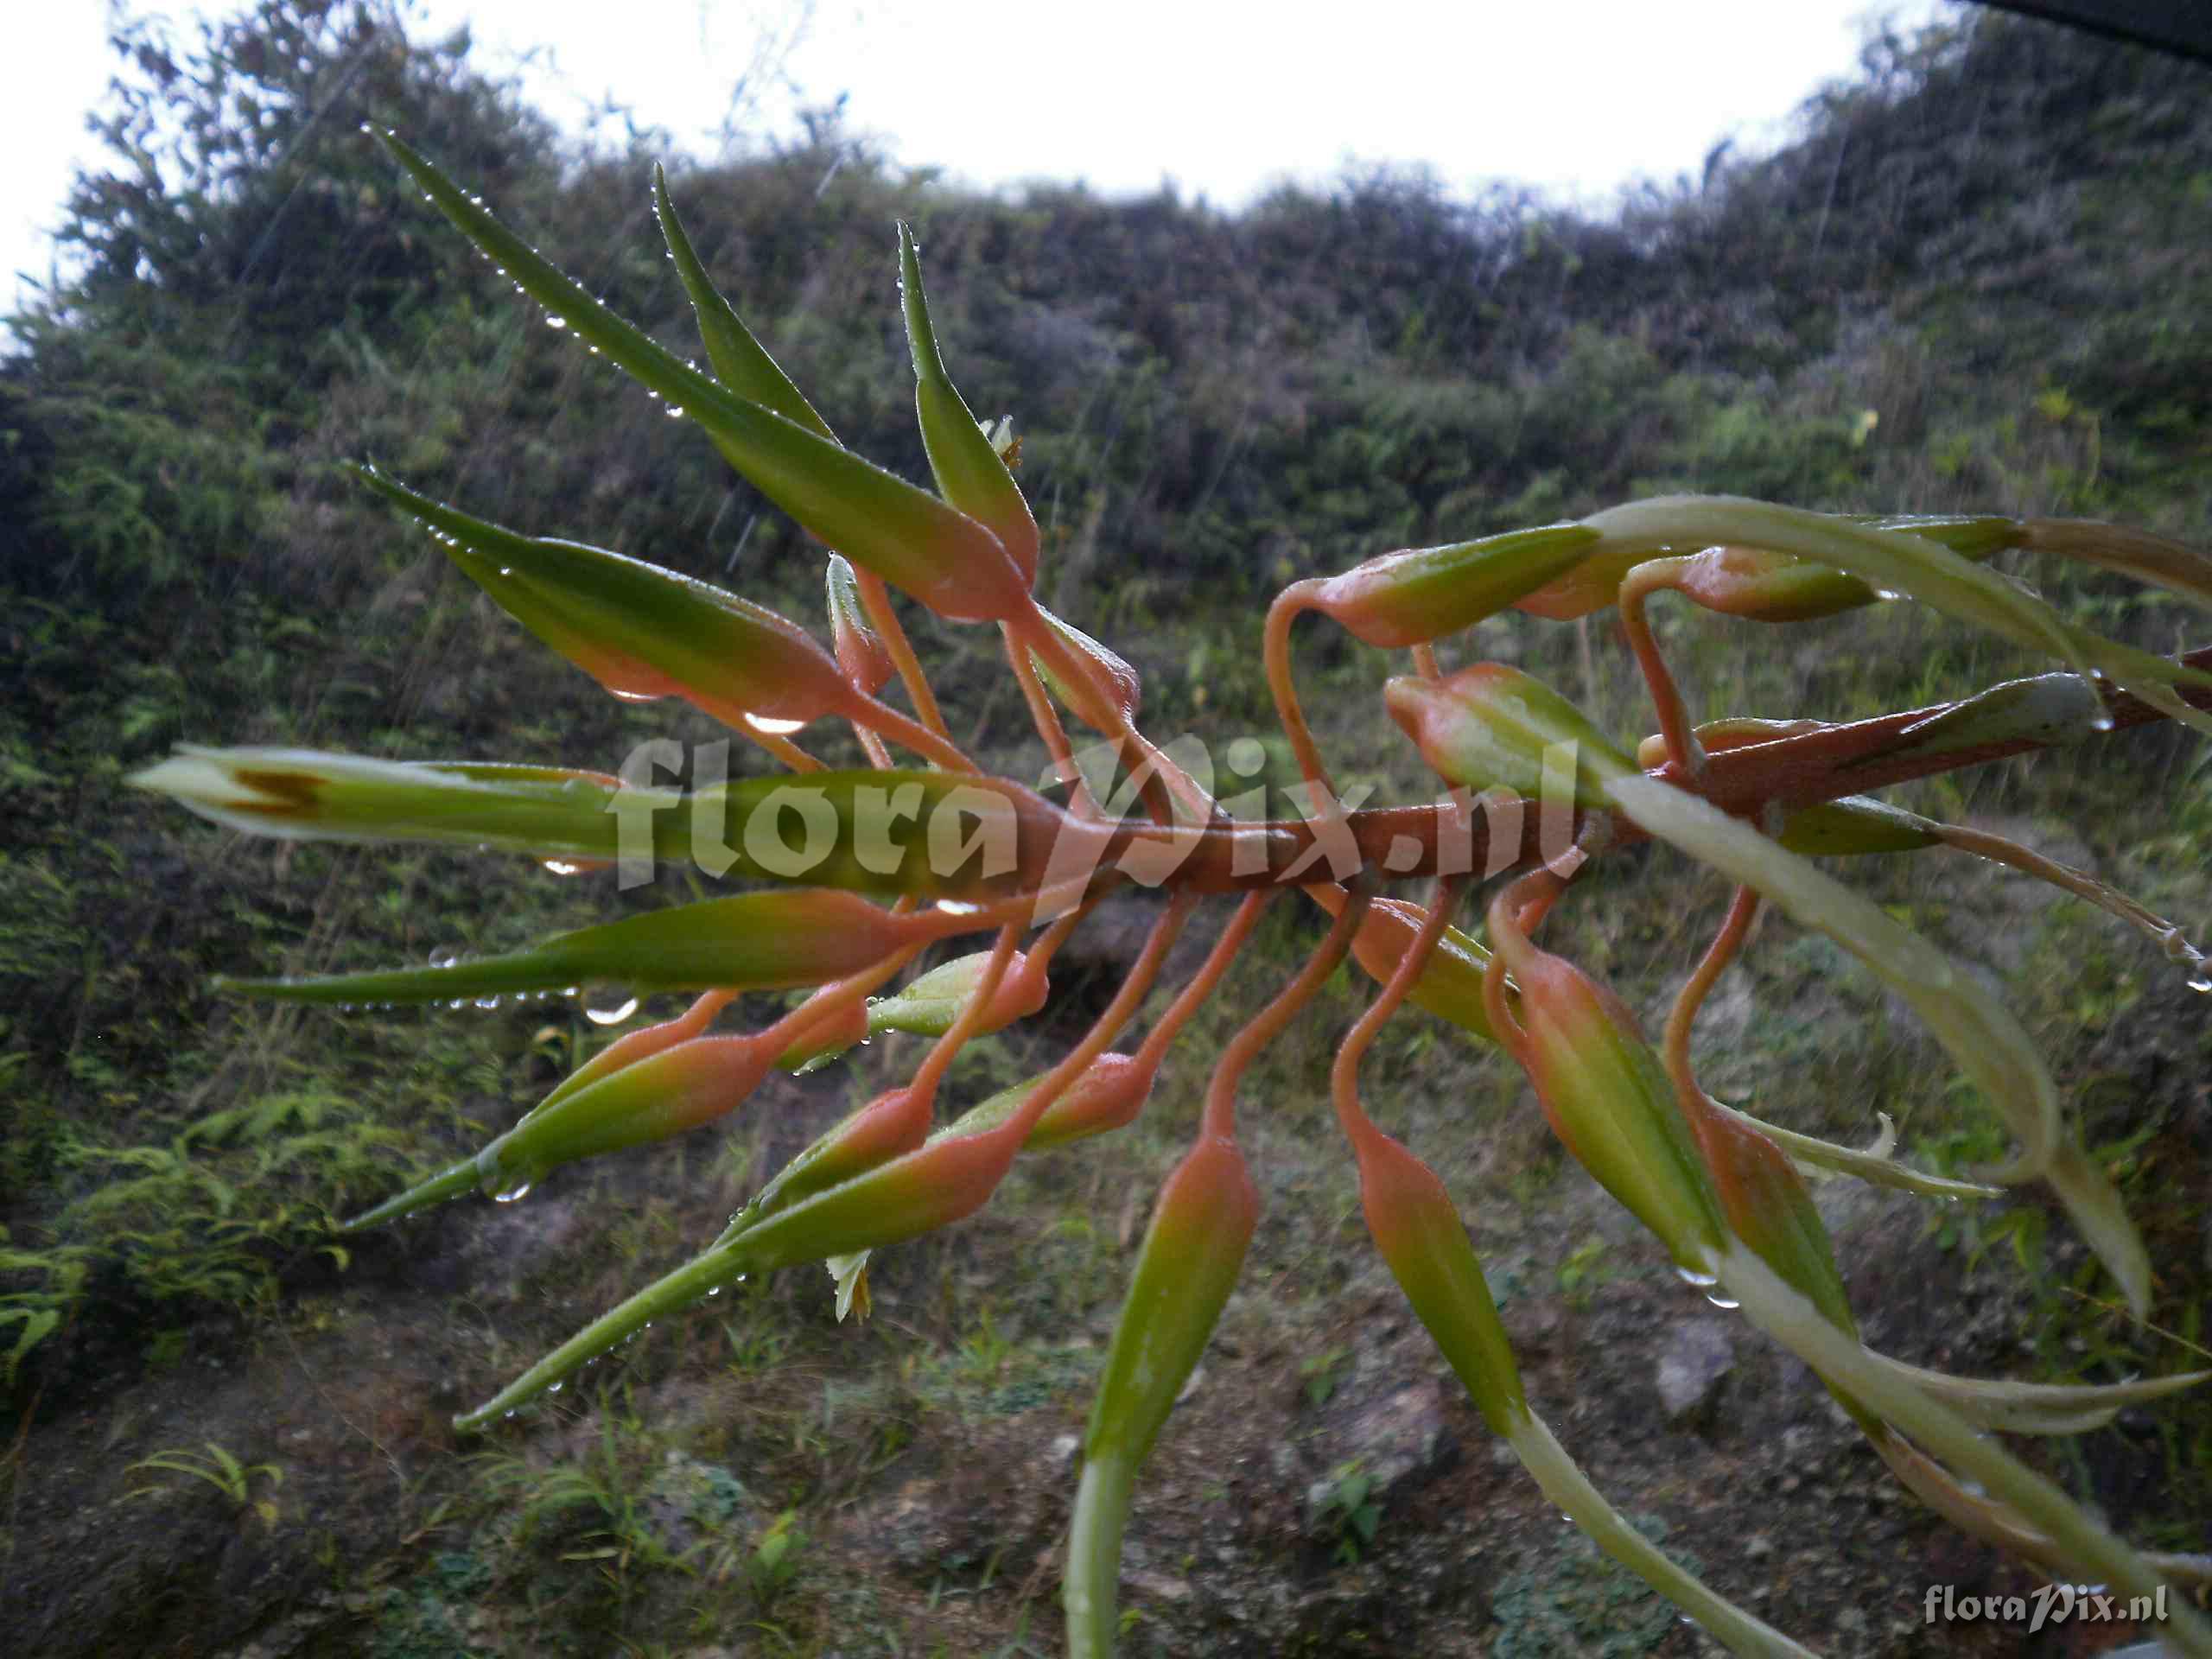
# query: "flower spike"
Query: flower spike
848,875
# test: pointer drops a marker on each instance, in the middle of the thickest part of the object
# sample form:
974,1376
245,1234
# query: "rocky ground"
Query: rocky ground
1356,1506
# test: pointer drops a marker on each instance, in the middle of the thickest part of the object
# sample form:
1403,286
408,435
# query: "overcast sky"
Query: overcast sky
1223,99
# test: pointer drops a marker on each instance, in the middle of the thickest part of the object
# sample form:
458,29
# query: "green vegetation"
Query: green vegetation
1972,284
1579,1602
220,1469
1349,1511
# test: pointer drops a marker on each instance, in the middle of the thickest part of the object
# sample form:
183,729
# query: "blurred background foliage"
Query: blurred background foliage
1976,279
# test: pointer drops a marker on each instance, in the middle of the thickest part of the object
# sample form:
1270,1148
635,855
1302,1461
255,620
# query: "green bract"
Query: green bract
753,942
638,630
970,473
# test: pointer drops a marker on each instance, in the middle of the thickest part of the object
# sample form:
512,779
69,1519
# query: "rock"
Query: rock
1698,1356
1381,1448
1400,1440
1532,1324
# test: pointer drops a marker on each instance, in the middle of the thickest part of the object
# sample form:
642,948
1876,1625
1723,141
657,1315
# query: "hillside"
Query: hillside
1976,281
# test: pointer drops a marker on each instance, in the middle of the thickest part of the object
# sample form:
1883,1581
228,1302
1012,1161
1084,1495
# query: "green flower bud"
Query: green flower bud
1410,598
1608,1098
654,1098
1106,695
1490,726
1108,1096
1451,984
861,650
1768,1207
1191,1256
929,1006
1857,823
1417,1227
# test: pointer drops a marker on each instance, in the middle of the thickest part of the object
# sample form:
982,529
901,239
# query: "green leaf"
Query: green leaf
38,1324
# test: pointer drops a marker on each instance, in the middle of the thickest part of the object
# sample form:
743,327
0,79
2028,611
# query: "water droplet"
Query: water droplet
458,1004
773,728
2201,982
634,696
514,1191
562,867
552,1388
445,956
1726,1304
957,907
487,1003
674,411
609,1004
556,322
509,1413
1695,1280
714,1290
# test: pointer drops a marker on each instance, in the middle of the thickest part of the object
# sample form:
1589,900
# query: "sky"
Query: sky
1223,100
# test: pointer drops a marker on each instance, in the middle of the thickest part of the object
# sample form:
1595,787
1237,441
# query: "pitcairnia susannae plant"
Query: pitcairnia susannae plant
845,877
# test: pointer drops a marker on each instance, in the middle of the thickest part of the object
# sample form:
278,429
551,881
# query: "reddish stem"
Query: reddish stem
1718,955
1821,765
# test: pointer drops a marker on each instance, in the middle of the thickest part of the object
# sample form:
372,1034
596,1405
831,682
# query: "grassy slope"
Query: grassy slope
1990,252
